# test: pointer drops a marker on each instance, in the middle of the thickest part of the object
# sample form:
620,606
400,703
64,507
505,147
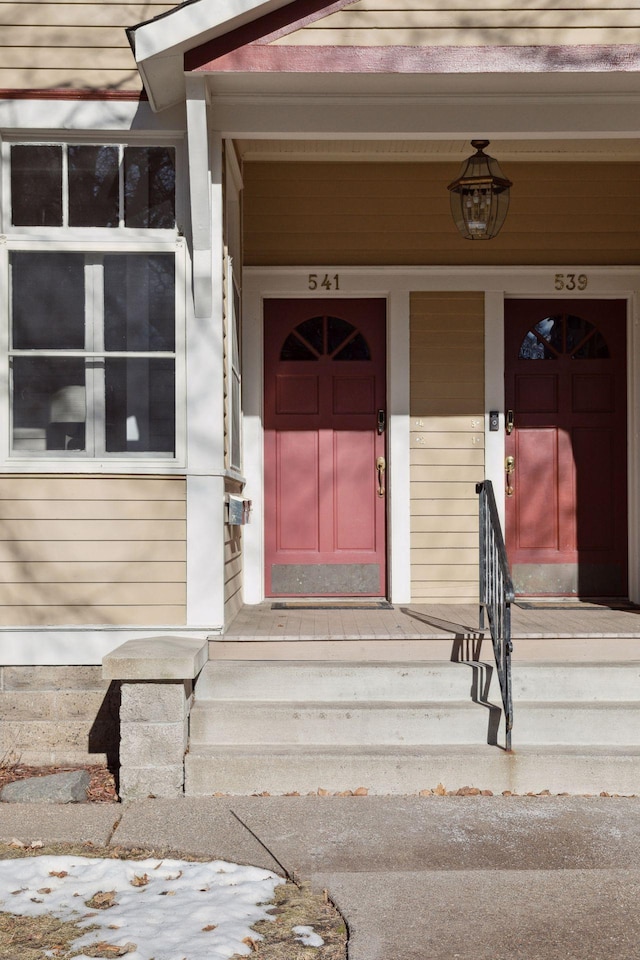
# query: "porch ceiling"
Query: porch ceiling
438,150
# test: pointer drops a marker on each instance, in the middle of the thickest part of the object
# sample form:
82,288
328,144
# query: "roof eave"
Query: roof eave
159,45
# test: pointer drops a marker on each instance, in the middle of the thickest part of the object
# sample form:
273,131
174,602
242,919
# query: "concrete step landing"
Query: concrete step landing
287,768
400,727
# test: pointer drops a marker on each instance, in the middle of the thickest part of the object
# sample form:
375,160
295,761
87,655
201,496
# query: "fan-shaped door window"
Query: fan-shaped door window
325,337
564,335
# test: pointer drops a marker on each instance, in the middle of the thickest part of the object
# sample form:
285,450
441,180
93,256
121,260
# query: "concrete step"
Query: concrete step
592,649
424,722
327,723
302,680
577,724
404,770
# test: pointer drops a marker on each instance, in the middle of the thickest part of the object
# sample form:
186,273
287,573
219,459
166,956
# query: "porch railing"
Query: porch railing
496,595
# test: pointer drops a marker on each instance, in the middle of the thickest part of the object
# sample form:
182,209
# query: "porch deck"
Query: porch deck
556,630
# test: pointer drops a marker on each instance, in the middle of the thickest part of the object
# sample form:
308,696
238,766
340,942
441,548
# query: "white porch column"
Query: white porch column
204,382
399,420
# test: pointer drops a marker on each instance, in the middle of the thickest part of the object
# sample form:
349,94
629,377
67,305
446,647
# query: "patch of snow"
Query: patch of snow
308,937
170,909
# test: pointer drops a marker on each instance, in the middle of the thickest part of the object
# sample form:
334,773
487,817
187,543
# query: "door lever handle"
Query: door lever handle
509,469
381,466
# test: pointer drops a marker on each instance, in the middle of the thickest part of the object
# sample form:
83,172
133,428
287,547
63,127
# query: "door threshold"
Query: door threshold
338,604
574,603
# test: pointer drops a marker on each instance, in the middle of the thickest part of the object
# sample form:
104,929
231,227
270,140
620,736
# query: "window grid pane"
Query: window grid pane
96,404
36,185
93,185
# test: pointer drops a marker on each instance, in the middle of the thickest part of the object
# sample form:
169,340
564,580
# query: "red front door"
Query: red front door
325,477
566,506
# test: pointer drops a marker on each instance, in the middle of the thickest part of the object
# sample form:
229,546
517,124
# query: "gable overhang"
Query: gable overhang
258,89
159,45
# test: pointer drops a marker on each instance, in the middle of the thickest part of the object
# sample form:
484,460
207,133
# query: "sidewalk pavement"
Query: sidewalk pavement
416,878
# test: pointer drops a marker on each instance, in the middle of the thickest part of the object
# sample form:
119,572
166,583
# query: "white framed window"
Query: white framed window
92,353
94,331
90,185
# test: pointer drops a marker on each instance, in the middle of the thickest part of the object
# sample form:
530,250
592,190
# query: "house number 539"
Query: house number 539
571,281
324,281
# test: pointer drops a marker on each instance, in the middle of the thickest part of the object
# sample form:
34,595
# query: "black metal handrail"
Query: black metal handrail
496,595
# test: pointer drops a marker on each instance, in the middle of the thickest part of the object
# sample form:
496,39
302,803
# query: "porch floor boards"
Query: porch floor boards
427,622
588,632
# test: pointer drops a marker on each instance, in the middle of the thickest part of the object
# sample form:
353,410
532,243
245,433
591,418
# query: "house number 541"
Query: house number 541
326,281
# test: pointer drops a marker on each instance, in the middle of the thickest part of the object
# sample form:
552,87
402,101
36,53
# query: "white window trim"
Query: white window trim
107,234
133,462
234,373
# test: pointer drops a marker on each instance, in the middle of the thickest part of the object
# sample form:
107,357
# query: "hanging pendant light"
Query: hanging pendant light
480,195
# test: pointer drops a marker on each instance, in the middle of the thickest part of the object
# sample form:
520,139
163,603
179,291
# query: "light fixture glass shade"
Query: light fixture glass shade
480,195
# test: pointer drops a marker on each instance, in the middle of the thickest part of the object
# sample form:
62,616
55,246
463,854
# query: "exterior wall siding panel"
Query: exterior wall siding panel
457,23
447,449
383,214
85,550
70,45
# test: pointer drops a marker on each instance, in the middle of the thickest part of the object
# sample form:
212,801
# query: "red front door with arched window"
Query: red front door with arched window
324,427
566,506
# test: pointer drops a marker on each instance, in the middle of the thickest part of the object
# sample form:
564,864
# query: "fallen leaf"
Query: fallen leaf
36,845
61,874
44,890
250,942
102,900
360,792
140,880
440,790
17,843
105,949
210,926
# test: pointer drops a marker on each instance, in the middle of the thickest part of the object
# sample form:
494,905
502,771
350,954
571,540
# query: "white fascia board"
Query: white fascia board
328,116
160,44
83,646
88,115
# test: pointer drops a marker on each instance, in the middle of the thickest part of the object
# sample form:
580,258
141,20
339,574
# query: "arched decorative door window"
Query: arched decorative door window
564,335
329,337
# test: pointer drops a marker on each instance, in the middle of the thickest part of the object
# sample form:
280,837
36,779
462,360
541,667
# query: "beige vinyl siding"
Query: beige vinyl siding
447,444
460,23
398,213
232,561
86,550
70,45
232,572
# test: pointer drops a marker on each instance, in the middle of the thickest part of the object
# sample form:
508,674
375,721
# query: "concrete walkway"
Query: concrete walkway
433,878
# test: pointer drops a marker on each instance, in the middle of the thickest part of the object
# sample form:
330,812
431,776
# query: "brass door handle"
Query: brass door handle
509,469
381,466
